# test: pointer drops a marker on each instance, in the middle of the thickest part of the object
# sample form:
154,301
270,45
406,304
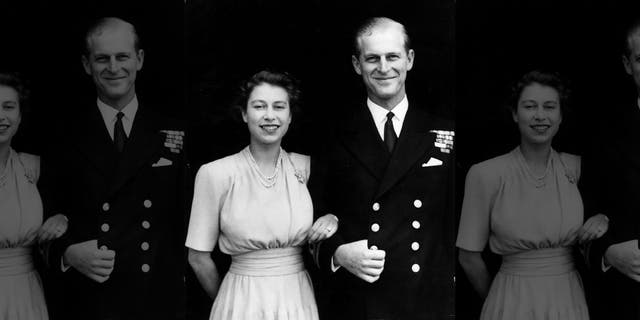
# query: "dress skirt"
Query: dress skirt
537,285
21,294
270,284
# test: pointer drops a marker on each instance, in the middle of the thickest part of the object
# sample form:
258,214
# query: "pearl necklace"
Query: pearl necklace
266,181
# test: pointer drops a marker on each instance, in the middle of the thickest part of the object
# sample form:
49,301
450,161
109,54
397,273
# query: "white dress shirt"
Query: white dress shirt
379,115
109,115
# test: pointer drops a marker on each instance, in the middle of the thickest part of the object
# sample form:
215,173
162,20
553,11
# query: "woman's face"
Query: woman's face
267,114
9,114
538,114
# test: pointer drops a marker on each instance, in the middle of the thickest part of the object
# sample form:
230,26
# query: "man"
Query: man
118,175
388,177
611,185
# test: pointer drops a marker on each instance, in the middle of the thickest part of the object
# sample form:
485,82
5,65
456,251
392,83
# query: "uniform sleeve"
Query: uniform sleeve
208,199
474,229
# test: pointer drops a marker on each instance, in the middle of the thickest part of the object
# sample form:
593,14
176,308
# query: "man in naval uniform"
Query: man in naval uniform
387,175
120,183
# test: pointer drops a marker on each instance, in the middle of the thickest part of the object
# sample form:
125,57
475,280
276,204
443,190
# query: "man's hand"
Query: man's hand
53,228
90,261
625,257
357,258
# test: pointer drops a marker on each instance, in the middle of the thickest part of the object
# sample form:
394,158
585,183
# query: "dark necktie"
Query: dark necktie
119,137
390,137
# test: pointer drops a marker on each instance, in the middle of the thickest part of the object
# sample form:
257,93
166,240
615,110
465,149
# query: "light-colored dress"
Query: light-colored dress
263,229
532,222
21,294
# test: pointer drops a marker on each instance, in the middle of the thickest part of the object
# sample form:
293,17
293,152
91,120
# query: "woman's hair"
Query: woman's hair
15,81
279,79
544,78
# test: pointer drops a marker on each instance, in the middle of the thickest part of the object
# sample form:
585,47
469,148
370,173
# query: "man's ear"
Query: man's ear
356,64
410,56
140,57
627,65
86,65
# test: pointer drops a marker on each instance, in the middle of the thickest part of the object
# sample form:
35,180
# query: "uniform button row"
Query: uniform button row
105,226
415,224
416,203
106,206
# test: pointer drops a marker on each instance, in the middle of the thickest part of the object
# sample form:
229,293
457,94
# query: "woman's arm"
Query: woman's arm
205,270
476,271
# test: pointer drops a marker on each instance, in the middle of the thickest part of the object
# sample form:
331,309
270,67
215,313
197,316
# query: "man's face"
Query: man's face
383,64
632,62
113,63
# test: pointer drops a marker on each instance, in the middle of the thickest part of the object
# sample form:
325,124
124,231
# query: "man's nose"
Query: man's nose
113,64
384,65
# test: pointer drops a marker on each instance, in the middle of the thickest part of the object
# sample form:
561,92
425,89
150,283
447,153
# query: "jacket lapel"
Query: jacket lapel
361,138
143,143
414,141
94,141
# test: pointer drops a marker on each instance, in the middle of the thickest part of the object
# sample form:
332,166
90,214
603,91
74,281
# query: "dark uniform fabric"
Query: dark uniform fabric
131,204
399,204
611,185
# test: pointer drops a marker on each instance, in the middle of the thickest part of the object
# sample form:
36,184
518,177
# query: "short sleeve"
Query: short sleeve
204,223
474,229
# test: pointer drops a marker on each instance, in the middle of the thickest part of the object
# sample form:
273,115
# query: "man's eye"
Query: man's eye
122,57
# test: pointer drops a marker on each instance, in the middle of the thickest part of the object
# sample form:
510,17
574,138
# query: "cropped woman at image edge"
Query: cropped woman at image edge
526,205
256,206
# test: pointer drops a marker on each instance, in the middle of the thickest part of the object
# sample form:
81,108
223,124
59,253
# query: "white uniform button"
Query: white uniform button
146,224
375,227
145,268
105,206
415,267
147,203
144,246
104,227
415,224
417,203
375,207
103,248
415,246
373,248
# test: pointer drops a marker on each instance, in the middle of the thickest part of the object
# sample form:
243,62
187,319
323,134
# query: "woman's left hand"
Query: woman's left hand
323,228
594,228
53,228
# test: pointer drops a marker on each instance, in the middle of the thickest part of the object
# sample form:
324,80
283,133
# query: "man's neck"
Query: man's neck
117,104
387,104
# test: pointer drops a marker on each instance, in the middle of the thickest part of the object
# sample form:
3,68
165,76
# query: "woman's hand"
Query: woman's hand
323,228
53,228
594,228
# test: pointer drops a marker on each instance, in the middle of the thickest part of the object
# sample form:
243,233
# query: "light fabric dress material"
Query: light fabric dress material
21,294
263,229
533,223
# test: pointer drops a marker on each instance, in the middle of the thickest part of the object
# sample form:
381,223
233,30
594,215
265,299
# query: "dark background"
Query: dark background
496,43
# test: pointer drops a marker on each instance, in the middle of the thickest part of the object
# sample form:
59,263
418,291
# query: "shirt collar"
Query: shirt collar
109,113
380,114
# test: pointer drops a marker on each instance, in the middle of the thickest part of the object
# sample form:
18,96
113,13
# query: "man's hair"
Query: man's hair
98,27
545,78
15,81
366,29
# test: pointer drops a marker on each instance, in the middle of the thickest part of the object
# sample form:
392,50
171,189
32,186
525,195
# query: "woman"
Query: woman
256,205
526,205
21,296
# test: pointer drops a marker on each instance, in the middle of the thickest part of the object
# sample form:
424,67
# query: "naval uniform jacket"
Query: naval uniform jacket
401,203
611,185
133,203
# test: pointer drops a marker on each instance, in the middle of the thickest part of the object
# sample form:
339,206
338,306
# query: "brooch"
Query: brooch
444,140
300,176
173,140
571,178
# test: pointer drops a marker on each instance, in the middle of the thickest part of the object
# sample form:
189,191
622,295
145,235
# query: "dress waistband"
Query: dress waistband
268,262
541,262
14,261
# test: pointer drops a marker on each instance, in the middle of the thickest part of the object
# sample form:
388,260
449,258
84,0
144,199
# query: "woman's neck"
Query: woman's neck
536,156
265,156
4,156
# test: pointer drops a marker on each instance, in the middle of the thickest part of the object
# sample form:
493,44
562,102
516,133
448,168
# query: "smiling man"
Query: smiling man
388,176
121,185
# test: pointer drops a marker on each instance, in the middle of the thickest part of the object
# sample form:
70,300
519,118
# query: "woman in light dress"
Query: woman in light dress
21,227
255,205
526,205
